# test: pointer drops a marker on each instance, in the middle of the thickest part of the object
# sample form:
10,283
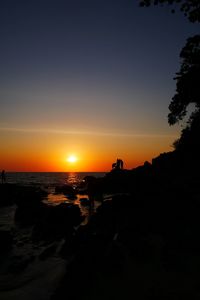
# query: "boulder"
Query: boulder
6,240
30,207
57,222
85,201
7,194
66,190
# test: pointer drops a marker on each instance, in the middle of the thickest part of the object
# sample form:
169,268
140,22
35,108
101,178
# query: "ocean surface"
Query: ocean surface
49,179
29,281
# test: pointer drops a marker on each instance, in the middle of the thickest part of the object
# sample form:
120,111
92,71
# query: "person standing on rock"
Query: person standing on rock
3,176
121,163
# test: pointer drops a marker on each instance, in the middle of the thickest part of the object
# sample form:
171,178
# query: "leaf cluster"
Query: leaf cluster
187,81
190,8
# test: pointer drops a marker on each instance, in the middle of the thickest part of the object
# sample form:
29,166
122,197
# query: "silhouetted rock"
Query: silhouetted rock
65,189
47,252
8,194
30,207
29,215
19,263
85,201
93,187
57,221
6,241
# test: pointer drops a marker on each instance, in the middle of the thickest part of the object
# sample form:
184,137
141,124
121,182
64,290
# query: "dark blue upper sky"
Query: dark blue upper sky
104,37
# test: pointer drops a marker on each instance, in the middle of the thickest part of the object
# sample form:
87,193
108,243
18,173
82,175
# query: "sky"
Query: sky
90,78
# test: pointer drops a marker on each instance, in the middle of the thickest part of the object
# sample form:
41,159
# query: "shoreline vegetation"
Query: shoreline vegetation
141,240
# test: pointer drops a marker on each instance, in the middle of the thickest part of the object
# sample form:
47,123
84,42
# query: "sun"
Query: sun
72,158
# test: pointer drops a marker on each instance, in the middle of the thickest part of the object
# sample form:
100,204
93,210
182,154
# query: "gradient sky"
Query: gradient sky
90,78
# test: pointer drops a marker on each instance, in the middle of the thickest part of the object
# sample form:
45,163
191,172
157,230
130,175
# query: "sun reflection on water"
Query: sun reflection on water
73,179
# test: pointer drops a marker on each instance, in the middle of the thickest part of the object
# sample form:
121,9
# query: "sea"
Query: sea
49,179
34,275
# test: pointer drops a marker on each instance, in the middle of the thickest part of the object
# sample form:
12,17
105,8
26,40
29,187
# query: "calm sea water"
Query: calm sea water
49,179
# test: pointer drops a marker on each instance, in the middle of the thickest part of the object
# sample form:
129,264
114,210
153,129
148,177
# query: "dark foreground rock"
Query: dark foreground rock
8,193
57,221
66,190
47,222
30,207
6,241
141,245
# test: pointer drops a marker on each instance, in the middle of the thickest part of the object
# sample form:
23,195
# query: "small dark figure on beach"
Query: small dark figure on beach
3,176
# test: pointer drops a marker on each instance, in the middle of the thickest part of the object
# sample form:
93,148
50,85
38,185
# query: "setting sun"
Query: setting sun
72,159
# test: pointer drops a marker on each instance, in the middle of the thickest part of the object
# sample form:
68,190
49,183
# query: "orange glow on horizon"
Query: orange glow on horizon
25,152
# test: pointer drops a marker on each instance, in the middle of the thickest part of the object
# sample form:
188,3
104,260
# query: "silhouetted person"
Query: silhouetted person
114,165
3,177
119,165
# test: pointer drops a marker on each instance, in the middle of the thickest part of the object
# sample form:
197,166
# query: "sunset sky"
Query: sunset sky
90,78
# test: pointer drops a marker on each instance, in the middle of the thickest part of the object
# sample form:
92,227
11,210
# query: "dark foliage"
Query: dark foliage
190,8
187,82
189,141
188,92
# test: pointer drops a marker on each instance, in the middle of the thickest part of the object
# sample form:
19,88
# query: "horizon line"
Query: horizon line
59,171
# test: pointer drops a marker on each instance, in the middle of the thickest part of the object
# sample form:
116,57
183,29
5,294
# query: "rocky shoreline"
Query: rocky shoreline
141,241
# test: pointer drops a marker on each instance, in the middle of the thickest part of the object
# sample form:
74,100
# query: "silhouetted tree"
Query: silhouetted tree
189,140
187,82
188,92
187,79
190,8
